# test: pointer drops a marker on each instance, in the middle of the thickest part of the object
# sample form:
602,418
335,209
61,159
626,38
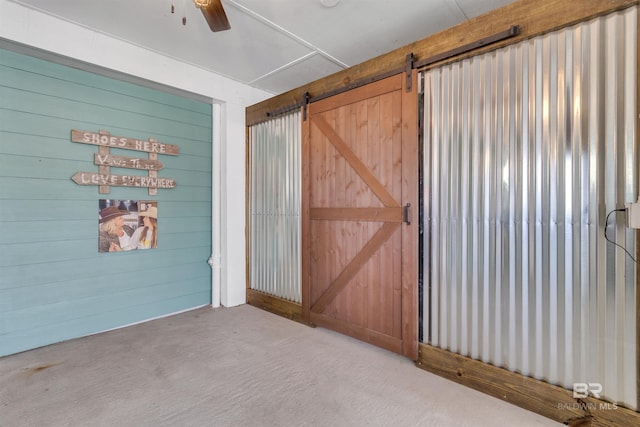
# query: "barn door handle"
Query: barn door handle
405,213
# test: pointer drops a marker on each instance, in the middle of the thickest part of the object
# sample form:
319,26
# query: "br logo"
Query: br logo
582,390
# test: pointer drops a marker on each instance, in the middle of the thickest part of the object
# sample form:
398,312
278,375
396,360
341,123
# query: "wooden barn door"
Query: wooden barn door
360,228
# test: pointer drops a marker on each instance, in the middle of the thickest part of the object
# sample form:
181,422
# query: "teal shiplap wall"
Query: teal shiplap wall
54,285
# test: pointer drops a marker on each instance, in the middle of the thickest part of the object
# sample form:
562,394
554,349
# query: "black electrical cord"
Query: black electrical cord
606,224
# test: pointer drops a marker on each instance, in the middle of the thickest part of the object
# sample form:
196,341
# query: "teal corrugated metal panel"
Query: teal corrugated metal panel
54,285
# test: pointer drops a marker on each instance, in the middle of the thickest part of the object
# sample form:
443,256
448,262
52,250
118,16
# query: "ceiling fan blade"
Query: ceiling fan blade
215,16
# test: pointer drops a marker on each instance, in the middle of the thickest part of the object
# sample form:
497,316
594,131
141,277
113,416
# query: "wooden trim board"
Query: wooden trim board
534,17
537,396
275,305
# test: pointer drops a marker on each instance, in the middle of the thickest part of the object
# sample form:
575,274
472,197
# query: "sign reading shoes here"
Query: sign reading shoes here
106,140
105,161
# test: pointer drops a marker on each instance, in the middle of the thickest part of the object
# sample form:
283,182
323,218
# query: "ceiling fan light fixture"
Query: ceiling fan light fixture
214,14
202,3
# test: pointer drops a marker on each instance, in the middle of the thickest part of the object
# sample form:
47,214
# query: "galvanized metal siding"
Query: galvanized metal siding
526,151
275,207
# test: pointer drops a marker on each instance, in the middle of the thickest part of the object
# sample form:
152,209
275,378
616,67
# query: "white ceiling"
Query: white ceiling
274,45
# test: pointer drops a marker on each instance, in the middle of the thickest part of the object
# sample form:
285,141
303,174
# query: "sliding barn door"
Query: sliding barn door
360,234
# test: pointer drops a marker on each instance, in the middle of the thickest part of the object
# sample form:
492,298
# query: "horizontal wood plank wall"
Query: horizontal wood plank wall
54,285
553,402
533,16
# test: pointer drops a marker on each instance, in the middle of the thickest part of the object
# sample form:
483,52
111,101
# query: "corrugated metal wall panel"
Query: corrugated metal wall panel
275,204
526,151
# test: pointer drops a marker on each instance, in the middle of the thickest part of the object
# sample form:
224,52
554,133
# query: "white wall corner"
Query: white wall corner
233,289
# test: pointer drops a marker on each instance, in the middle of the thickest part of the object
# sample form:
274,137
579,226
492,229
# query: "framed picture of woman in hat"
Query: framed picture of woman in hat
126,225
146,235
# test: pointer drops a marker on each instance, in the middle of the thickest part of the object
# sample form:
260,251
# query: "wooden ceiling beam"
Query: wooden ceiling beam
534,17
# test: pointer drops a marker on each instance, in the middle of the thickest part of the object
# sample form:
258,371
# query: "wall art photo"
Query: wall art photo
126,225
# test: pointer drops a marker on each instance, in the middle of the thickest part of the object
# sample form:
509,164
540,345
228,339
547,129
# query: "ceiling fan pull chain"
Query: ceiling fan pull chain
184,13
212,10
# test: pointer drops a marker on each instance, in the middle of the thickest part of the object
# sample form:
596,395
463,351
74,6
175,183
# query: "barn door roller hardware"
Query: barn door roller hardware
408,69
305,104
410,64
513,31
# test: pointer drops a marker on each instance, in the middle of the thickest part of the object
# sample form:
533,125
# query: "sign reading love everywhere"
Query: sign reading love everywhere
105,160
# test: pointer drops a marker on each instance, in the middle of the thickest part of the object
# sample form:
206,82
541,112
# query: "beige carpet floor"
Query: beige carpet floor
236,366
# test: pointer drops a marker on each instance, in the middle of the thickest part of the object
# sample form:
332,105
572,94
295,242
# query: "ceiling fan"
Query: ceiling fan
213,12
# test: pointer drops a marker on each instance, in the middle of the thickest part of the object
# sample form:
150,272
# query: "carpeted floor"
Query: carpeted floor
236,366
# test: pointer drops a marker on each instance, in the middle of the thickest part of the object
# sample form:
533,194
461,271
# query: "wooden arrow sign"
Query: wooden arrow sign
107,140
127,162
92,178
